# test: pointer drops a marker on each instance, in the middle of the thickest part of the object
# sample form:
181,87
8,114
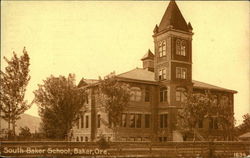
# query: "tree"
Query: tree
114,96
25,132
193,110
12,88
245,126
60,102
198,107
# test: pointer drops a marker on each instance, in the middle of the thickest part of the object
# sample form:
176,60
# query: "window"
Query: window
162,74
77,123
87,122
147,121
162,139
200,123
138,120
82,121
77,139
87,98
81,138
181,94
162,48
109,121
224,101
147,94
135,94
132,121
181,73
163,95
124,120
86,139
98,121
181,47
135,121
163,120
213,124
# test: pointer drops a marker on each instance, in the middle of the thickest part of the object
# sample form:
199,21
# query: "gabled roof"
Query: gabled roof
148,55
139,74
173,17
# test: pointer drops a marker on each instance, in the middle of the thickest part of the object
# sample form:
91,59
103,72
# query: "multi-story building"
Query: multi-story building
157,89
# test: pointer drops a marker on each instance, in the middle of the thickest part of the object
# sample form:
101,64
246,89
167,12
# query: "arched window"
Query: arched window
162,48
181,47
135,94
181,94
178,47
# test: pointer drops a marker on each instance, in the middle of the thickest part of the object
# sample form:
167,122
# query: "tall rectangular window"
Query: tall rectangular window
163,120
77,123
138,120
162,48
213,124
132,121
181,47
87,122
181,73
147,94
82,121
147,121
163,95
200,123
162,74
180,94
98,121
124,120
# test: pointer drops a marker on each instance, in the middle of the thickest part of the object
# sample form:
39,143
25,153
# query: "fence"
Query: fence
126,149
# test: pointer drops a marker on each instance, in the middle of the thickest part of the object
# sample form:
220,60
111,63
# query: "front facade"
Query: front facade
157,90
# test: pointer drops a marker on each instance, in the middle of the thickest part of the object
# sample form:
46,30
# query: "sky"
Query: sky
91,39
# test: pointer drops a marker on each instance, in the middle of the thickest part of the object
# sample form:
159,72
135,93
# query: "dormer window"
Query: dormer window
162,48
181,47
162,74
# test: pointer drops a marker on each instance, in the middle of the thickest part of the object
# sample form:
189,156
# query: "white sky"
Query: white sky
92,39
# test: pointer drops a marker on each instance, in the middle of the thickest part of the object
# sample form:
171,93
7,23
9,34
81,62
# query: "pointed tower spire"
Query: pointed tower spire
173,18
190,28
156,29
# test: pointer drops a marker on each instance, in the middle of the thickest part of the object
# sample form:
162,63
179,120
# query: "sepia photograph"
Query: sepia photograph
95,79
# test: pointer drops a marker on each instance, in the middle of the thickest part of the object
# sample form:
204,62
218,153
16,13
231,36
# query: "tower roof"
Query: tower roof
148,55
173,18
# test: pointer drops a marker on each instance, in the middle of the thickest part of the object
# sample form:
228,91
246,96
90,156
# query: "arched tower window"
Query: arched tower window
162,48
181,47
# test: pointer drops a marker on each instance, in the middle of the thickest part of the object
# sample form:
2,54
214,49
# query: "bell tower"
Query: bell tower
173,49
173,61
